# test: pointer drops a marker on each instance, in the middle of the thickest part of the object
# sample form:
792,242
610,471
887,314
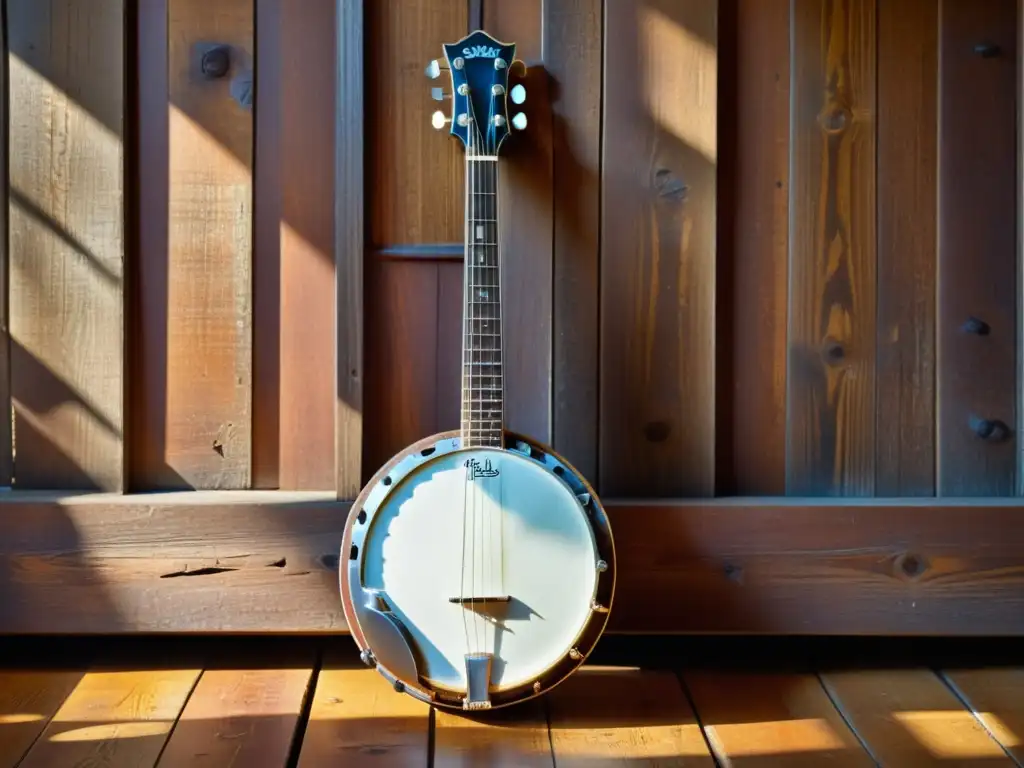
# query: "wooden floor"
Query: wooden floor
319,708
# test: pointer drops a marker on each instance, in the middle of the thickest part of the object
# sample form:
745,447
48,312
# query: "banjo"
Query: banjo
477,566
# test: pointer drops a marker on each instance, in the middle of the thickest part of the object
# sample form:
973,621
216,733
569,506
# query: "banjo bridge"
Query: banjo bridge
478,681
476,600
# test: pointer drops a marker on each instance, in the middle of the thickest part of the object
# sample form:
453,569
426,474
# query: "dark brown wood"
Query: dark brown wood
66,312
417,191
573,35
293,249
832,251
658,231
194,428
907,164
977,373
520,23
349,246
753,263
6,435
267,562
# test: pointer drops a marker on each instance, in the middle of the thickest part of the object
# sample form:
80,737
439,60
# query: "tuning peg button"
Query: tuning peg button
438,120
519,121
433,69
518,93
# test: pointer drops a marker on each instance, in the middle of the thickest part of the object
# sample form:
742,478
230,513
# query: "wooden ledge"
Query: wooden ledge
266,561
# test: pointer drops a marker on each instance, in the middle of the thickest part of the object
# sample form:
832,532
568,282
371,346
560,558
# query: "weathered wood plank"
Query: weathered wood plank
293,251
267,562
239,717
977,372
358,718
194,428
658,233
994,697
601,715
909,717
114,718
907,228
832,250
503,739
6,423
67,243
417,191
27,702
349,248
772,720
573,39
753,253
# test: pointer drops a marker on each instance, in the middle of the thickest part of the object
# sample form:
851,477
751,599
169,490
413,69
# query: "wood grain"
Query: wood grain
993,696
573,40
6,423
349,248
753,247
907,227
239,717
502,739
614,715
658,230
27,702
520,23
195,430
977,373
417,172
293,250
358,718
909,717
66,243
114,718
772,720
832,250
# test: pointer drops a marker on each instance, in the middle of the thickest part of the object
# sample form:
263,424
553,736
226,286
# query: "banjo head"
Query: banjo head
476,578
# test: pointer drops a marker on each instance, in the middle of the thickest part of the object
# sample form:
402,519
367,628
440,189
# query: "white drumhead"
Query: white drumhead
511,527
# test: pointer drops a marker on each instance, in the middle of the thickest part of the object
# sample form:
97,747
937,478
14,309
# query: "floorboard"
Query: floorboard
996,697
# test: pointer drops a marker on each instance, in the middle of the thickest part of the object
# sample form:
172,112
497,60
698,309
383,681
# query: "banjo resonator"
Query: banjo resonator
477,566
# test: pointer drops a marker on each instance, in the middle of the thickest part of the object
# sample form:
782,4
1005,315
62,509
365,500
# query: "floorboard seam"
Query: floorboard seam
302,722
962,698
177,717
681,679
834,700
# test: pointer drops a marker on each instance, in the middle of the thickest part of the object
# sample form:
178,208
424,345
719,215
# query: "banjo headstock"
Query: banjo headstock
478,69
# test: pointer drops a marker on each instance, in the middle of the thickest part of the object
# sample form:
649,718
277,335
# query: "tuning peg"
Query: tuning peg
518,93
438,120
519,121
520,63
438,94
433,70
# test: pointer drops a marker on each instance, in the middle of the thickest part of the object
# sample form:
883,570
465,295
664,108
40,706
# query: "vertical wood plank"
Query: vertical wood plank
832,250
239,717
67,255
294,280
417,191
450,302
114,718
907,227
349,248
977,372
7,420
658,230
753,252
526,237
28,700
573,34
196,331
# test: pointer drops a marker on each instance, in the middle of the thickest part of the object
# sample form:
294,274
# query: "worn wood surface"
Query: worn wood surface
293,249
349,248
573,45
657,304
114,718
977,373
832,255
910,717
239,717
28,700
66,244
193,428
503,739
267,562
356,717
6,424
907,188
993,696
753,255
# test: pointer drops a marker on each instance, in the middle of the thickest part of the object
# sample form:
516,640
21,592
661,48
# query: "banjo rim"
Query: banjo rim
588,636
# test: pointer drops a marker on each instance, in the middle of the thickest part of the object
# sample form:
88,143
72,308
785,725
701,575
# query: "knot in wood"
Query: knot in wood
657,431
992,430
834,118
832,350
668,186
911,565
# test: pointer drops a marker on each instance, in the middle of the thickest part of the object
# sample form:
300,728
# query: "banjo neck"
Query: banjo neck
482,383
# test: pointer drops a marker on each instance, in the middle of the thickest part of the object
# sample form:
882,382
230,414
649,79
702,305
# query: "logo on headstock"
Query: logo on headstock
480,52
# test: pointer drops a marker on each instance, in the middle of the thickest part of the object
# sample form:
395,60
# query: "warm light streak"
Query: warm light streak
114,731
775,737
18,718
949,734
